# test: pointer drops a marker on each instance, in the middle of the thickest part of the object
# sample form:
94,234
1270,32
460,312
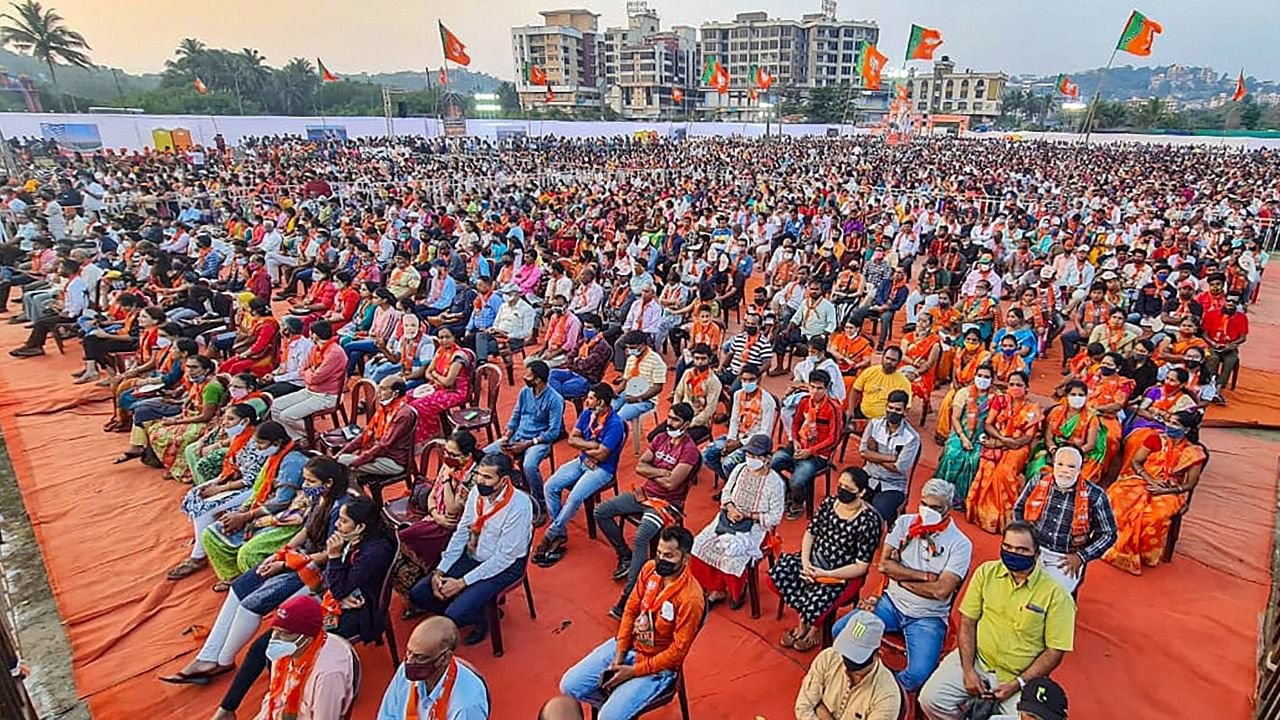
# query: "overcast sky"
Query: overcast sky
1016,36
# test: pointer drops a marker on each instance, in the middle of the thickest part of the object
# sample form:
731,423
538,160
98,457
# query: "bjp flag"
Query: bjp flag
1241,90
1139,33
454,50
201,87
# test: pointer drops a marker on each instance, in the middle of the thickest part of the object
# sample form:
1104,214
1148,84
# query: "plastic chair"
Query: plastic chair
494,613
375,484
770,546
476,416
398,510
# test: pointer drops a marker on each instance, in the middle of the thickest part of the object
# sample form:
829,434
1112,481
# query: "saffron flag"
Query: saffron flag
534,74
325,75
716,76
201,87
922,43
677,95
1067,87
1241,90
870,65
550,97
1138,34
444,76
454,50
761,77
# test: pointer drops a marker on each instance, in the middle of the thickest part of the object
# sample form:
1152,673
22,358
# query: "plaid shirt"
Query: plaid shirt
1054,527
875,273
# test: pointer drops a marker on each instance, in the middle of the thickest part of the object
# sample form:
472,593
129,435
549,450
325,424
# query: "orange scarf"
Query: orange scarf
585,350
440,710
633,370
318,352
749,410
745,357
289,678
482,516
147,344
270,470
598,418
700,333
1038,500
409,351
382,418
558,330
237,444
696,380
919,529
480,302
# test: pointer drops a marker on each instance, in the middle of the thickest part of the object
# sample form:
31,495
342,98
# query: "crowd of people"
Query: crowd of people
890,296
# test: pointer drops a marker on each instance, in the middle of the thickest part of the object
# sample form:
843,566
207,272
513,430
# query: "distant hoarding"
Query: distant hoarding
327,132
73,137
453,114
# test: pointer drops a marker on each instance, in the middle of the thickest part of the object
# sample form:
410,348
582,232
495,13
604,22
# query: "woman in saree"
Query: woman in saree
446,385
751,506
256,349
1007,361
921,349
163,426
1034,315
362,320
205,455
239,539
1152,489
964,369
439,505
960,453
1108,395
1024,336
1071,422
231,486
1162,401
1174,350
1012,426
1117,335
159,360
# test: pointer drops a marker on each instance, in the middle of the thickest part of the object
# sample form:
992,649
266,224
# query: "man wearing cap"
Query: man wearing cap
433,678
1042,699
312,671
847,681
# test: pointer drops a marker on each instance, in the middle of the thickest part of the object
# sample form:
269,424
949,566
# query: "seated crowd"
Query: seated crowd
294,358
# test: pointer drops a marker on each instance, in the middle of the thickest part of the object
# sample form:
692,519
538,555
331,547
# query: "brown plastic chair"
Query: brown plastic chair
398,510
476,416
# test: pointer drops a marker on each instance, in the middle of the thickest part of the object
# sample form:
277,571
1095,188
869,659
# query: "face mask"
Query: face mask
982,383
1107,371
1175,433
971,344
675,434
235,430
893,418
417,672
755,463
278,649
1065,483
1017,563
313,492
237,393
1192,363
846,496
633,352
270,451
1009,352
929,516
486,490
1076,401
1228,311
751,329
588,333
665,568
195,378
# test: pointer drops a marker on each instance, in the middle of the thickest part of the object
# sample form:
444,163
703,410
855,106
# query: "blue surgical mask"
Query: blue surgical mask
1175,433
1017,563
270,451
279,649
633,352
313,492
235,430
750,387
588,333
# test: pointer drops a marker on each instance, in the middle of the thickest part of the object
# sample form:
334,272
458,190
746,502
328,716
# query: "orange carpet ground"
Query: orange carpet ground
1179,641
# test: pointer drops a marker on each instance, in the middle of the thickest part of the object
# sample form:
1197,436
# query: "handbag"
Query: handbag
726,527
980,708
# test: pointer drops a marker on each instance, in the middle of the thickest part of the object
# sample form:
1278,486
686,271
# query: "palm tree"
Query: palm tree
43,35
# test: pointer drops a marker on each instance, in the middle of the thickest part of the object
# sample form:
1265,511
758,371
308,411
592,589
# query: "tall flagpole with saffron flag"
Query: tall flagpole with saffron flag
1237,96
454,51
1136,39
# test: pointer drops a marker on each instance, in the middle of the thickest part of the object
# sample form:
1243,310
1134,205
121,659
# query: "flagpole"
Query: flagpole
1097,95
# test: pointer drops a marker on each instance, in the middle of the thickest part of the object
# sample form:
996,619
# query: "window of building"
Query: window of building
948,105
924,87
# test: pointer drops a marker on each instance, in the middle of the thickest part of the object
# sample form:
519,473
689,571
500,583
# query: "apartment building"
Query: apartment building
644,64
568,47
946,91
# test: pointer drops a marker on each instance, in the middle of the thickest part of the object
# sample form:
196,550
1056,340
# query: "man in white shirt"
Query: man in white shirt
514,322
72,303
487,552
429,666
296,351
54,219
587,298
272,247
753,413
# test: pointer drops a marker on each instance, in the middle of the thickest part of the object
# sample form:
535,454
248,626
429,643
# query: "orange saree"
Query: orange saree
999,478
918,350
965,367
1142,519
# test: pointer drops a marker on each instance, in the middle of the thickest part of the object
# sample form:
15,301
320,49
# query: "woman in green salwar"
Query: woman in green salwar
962,451
206,455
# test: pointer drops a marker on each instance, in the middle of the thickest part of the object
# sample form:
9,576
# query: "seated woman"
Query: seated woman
1007,361
362,319
1162,401
239,539
921,350
101,341
409,352
1152,489
959,460
751,506
159,360
1012,426
446,384
161,431
228,340
1108,395
964,368
835,555
205,455
439,504
1024,337
1071,422
361,340
231,485
257,351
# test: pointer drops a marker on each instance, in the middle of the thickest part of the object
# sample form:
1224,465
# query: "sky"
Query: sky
1015,36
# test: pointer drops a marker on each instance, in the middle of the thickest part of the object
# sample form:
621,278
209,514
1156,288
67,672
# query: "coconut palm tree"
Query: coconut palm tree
42,34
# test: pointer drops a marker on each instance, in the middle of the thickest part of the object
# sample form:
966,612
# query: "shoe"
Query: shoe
736,603
550,557
25,351
615,612
539,516
795,512
477,636
623,568
18,319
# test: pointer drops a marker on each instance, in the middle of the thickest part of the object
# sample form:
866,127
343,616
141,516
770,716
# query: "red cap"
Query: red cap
301,615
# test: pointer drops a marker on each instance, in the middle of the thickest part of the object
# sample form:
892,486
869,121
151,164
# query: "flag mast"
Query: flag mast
1097,95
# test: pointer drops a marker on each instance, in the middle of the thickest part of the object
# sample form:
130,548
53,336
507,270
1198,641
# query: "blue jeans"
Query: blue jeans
802,471
531,466
569,384
357,350
924,638
581,482
224,341
628,699
721,464
630,411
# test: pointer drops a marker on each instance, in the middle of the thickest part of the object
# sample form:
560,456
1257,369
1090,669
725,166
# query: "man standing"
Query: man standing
815,431
1016,624
432,676
312,671
658,625
535,425
890,447
324,373
847,681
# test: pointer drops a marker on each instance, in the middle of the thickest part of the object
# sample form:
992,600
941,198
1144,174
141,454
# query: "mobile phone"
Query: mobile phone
606,676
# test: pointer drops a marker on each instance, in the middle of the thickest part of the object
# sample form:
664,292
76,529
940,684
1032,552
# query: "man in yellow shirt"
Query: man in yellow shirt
1016,624
847,681
872,387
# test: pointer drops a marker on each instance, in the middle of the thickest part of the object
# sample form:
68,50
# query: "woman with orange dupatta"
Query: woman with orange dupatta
964,368
447,384
1152,489
921,348
1071,422
159,361
257,352
1107,396
1008,361
1012,426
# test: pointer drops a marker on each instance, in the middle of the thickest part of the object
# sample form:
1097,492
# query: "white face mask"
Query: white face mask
278,649
982,383
675,434
270,451
755,463
163,342
237,393
1076,401
929,516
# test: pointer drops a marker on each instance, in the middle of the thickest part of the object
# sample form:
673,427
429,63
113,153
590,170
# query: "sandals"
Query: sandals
221,586
805,643
126,456
788,638
187,568
150,459
197,678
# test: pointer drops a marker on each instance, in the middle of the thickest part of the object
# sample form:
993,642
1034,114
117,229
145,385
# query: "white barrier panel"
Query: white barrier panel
133,132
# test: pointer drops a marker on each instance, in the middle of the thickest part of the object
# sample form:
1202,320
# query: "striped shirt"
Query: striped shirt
761,352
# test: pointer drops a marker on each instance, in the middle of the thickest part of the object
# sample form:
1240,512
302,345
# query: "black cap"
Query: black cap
1044,698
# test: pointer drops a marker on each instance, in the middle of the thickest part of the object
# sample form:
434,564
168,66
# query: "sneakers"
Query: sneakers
795,511
623,568
25,351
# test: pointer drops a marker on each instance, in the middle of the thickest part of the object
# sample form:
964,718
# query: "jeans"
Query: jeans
628,699
582,482
887,502
485,345
531,466
357,350
467,607
924,637
569,384
224,341
607,515
714,457
630,411
802,471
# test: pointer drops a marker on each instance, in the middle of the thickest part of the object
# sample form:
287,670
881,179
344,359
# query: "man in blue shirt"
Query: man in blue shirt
486,307
428,660
441,288
598,435
535,424
208,259
890,296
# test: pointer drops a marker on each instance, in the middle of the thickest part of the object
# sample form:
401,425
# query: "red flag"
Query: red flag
325,75
720,79
677,95
201,87
1241,90
454,50
550,96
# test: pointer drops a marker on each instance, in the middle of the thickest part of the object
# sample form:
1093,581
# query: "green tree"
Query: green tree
1110,115
508,98
43,35
291,90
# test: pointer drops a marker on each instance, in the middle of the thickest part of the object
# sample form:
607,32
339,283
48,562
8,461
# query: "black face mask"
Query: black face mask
892,417
751,329
417,672
486,490
846,496
665,568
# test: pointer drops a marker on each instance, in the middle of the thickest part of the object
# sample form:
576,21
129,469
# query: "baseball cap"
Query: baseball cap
301,614
1044,698
861,636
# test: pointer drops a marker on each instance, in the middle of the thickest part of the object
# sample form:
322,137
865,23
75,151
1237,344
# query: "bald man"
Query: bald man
561,707
431,675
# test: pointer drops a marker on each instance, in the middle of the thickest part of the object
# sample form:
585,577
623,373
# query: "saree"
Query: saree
168,442
1109,391
965,367
431,405
1143,519
233,553
999,479
917,351
1071,428
957,465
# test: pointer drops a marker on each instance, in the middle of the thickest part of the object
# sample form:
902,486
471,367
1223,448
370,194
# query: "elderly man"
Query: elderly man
300,651
847,681
385,446
513,325
563,333
890,447
1016,624
432,676
925,560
